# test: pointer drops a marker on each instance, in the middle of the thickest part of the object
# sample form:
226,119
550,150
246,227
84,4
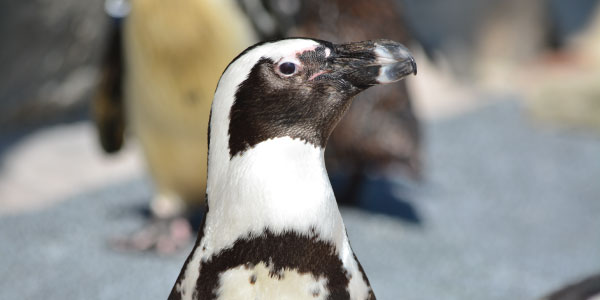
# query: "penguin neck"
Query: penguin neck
279,185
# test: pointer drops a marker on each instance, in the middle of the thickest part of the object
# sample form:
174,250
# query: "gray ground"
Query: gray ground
509,210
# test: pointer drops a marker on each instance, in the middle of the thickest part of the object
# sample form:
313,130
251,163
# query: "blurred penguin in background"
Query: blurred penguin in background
563,88
380,136
161,70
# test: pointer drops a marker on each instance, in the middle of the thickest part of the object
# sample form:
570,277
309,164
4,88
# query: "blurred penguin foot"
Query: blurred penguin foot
390,196
164,236
169,227
383,194
350,193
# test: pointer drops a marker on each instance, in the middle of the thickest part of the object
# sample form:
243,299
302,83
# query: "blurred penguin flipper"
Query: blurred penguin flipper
108,107
585,289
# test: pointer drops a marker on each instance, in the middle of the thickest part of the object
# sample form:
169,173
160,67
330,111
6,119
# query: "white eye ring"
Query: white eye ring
288,66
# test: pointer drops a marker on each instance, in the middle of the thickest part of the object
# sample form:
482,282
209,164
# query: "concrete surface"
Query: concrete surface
55,163
509,210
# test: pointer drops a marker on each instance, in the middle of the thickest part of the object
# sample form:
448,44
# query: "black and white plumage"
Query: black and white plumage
273,229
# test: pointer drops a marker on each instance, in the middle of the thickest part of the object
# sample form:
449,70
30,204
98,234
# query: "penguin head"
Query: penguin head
299,88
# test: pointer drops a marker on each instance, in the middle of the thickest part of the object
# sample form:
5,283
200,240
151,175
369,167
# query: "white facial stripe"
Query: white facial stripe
235,74
285,48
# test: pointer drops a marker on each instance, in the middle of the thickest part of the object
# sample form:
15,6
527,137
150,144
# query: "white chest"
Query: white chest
257,283
281,184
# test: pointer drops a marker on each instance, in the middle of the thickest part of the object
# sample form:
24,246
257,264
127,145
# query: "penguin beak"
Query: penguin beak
367,63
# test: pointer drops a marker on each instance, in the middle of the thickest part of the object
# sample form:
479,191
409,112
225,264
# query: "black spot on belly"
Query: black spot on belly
253,279
287,251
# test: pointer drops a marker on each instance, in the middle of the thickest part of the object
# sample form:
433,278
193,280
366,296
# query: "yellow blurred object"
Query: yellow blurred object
566,89
174,53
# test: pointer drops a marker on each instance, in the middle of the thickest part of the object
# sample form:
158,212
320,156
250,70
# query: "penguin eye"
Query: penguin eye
287,68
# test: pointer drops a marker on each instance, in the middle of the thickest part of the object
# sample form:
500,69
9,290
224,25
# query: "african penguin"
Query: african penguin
158,82
272,229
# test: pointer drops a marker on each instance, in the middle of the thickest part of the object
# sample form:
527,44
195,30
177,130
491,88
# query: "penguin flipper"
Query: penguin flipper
586,289
108,108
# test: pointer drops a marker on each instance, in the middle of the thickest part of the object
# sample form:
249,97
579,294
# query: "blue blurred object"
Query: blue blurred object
439,24
567,17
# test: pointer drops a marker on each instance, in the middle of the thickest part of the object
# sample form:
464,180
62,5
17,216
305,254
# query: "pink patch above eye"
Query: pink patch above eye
310,48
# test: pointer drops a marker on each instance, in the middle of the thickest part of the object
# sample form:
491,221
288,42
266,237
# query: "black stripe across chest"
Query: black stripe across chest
287,251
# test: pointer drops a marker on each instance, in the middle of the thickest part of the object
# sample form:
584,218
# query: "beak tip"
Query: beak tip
414,65
395,60
398,68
